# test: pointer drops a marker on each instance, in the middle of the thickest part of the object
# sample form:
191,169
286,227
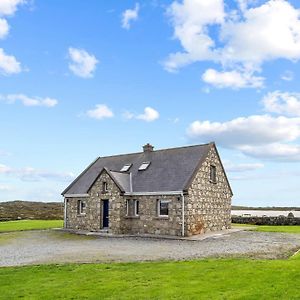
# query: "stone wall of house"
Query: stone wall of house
92,218
208,204
148,221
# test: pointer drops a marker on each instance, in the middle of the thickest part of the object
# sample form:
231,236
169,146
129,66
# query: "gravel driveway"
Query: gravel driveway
49,246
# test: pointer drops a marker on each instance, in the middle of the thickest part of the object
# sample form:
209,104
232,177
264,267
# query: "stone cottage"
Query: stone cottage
180,191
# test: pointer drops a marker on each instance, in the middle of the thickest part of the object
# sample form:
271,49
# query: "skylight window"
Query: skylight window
144,166
126,168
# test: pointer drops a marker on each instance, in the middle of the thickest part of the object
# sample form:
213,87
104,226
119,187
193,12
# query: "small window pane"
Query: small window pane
144,166
136,207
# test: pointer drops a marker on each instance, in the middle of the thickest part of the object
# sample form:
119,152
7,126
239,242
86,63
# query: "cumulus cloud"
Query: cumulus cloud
242,167
8,64
287,76
32,174
9,7
4,28
282,103
149,115
29,101
239,42
233,79
262,136
130,15
101,111
82,63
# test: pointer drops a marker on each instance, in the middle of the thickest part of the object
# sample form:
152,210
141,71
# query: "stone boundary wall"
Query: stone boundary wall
280,220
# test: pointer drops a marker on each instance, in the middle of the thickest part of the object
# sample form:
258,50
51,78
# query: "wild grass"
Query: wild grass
29,225
270,228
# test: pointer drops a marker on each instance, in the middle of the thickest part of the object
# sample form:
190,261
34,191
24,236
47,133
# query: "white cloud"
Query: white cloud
232,79
282,103
259,135
31,174
9,7
274,151
82,63
100,112
244,38
8,64
287,76
149,115
4,28
5,187
29,101
242,167
130,15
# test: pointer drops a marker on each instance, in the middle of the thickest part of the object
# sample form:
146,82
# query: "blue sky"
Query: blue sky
82,79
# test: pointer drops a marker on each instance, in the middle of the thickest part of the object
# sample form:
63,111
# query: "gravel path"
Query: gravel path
48,246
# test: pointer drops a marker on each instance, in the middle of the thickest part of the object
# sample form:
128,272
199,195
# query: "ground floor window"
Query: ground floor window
81,207
163,208
136,207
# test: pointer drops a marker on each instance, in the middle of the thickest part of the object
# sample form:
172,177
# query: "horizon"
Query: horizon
106,77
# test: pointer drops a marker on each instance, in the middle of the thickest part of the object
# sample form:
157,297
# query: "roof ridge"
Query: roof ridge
164,149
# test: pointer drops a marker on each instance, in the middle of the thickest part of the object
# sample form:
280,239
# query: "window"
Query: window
136,207
144,166
104,187
126,167
213,174
163,208
127,207
81,207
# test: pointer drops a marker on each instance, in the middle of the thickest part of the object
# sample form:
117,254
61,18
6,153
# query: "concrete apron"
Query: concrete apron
198,237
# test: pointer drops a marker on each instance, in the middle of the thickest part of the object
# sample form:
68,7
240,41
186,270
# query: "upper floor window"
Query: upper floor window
213,174
144,166
126,167
81,207
163,208
104,187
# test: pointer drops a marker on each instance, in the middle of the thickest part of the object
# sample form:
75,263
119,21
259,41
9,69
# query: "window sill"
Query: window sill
162,217
132,217
81,215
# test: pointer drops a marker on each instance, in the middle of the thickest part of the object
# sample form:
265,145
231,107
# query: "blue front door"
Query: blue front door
105,210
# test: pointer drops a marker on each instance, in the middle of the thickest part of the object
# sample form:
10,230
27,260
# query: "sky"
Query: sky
81,79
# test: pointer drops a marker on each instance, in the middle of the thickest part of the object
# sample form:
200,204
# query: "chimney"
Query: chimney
148,148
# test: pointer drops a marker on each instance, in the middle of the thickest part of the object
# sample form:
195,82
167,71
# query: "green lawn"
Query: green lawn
202,279
29,225
263,228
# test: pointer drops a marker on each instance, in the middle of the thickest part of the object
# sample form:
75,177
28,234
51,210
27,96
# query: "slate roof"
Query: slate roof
169,170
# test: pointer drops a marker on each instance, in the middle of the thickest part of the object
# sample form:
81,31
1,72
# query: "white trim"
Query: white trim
160,201
153,193
76,195
182,223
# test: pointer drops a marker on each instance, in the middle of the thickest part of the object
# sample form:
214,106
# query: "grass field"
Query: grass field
29,225
263,228
202,279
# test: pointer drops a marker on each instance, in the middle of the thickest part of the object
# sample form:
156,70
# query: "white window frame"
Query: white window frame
136,205
158,207
81,206
213,180
126,168
104,187
144,166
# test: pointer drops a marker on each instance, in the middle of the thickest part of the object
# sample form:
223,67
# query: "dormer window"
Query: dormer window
126,167
144,166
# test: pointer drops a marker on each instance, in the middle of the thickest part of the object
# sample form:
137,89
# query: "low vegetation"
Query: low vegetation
21,210
269,228
29,225
204,279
